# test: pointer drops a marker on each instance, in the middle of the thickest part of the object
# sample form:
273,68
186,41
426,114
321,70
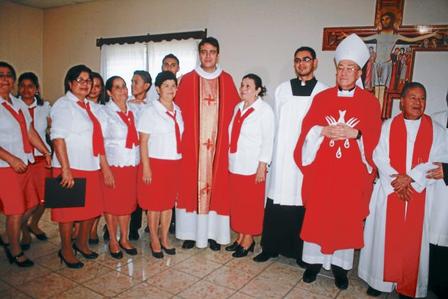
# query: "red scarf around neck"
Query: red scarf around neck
97,136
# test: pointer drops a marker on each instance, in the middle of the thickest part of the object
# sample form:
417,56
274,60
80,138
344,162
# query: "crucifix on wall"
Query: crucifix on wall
392,49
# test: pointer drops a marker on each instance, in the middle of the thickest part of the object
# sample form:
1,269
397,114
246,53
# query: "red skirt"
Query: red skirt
121,200
161,193
94,198
40,172
17,191
246,204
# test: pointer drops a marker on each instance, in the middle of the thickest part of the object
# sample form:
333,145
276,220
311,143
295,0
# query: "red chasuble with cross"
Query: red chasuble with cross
337,185
198,107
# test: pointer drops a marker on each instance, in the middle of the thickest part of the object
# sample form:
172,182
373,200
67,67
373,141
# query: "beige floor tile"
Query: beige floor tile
261,287
357,290
240,295
144,290
51,261
277,271
39,248
220,257
321,286
247,265
3,286
111,284
79,292
106,260
19,276
197,266
91,270
12,293
142,269
47,286
231,277
205,289
172,281
299,293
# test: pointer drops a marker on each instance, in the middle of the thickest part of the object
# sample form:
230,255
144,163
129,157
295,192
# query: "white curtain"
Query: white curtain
123,60
185,50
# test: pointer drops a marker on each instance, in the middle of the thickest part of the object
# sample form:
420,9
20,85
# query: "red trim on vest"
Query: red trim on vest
20,118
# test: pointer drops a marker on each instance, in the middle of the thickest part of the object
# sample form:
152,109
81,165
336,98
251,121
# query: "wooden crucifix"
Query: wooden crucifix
392,49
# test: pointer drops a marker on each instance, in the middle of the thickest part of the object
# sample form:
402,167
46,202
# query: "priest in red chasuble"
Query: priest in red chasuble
334,152
206,96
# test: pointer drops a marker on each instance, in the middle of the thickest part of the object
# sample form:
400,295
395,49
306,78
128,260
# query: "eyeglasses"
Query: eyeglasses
304,59
6,76
81,81
348,69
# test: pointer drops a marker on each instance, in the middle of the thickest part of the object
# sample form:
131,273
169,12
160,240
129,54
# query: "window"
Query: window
122,56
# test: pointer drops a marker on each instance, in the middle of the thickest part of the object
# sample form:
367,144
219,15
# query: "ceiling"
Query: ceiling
49,3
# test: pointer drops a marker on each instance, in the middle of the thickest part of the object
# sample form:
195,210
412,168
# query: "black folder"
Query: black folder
57,196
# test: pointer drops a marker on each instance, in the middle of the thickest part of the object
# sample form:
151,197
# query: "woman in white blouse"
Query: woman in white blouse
251,134
39,111
78,144
160,126
123,156
17,139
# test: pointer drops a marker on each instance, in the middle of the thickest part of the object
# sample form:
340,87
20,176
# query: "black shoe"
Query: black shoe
157,255
301,263
116,255
188,244
373,292
2,243
169,251
25,246
309,275
232,247
241,252
264,256
134,236
41,236
340,277
147,229
14,259
213,245
94,241
130,251
77,265
90,256
172,229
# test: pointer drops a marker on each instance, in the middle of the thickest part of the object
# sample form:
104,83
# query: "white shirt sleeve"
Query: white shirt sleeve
311,145
144,123
61,120
382,161
267,136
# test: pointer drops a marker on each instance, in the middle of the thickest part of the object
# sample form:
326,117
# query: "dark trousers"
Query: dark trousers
281,230
438,270
136,220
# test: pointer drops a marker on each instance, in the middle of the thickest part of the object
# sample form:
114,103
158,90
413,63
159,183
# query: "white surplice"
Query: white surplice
284,177
371,264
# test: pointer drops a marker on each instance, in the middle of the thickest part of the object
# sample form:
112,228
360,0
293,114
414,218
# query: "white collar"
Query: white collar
159,107
209,76
15,104
114,107
144,102
72,97
33,104
254,105
346,93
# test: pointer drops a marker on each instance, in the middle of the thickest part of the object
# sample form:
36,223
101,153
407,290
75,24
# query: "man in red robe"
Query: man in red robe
334,152
207,97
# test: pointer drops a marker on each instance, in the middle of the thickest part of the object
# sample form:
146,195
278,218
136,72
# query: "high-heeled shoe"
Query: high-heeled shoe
41,236
90,256
157,255
116,255
240,252
130,251
76,265
232,247
14,259
169,251
25,246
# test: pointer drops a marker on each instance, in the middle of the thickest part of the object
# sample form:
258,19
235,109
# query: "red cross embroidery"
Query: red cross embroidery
209,100
209,144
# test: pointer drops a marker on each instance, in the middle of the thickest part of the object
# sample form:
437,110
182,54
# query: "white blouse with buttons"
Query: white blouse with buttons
256,139
115,134
154,121
10,132
72,123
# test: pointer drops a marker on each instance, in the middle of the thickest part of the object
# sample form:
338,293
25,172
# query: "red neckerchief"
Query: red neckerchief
176,127
132,136
97,136
20,118
236,128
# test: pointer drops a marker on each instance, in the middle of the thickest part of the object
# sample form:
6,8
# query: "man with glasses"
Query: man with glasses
284,210
334,153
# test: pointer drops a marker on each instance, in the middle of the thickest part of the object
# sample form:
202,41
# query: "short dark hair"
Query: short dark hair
146,76
209,40
391,15
11,69
33,78
163,76
172,56
308,49
102,98
74,72
258,83
110,83
410,85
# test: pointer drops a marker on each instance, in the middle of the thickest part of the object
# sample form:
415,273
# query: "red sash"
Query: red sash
31,111
404,226
236,129
176,127
20,118
132,136
97,136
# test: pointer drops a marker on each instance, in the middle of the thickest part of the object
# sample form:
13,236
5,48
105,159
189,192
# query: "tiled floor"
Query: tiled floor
196,273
